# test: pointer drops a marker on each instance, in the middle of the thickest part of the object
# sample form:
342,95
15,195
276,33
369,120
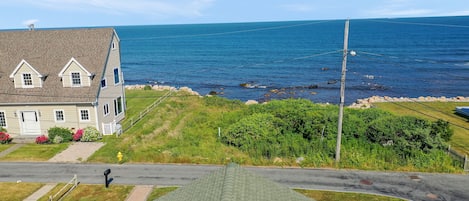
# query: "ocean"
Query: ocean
262,61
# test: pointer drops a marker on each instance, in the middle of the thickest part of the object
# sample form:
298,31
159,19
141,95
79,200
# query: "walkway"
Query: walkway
140,193
77,152
41,192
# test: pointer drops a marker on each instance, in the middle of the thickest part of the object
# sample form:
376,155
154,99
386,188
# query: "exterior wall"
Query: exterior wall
46,117
112,91
67,75
18,79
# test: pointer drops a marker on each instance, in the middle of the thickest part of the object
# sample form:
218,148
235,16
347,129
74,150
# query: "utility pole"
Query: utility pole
342,93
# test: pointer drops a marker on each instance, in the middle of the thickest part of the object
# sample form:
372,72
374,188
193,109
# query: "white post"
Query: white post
219,132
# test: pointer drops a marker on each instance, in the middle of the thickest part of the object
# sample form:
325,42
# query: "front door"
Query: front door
30,123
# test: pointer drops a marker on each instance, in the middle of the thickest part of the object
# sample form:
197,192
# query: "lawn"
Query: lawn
35,152
94,192
18,191
4,147
433,111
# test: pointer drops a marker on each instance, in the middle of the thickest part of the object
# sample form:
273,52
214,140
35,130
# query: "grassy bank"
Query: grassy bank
434,111
185,129
18,191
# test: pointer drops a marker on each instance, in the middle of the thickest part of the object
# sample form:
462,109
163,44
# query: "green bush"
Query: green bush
407,135
90,134
147,87
65,133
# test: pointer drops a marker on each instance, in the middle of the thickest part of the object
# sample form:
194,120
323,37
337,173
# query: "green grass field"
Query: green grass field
433,111
35,152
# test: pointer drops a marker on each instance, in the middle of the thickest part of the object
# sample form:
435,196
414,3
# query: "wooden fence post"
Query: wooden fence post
465,163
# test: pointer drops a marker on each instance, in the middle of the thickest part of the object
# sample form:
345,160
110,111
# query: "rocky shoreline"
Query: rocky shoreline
368,102
163,88
359,103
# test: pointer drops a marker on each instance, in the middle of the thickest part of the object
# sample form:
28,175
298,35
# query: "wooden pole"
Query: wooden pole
342,93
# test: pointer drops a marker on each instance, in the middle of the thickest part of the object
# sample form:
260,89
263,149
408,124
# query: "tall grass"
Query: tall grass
185,129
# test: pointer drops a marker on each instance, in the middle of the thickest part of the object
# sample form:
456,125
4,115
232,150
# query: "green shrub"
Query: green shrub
90,134
58,139
65,133
147,87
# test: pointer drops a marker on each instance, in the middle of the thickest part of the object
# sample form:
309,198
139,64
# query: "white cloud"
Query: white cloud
400,8
29,22
141,7
298,7
456,13
402,12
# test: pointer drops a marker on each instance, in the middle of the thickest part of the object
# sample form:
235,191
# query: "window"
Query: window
76,79
103,83
116,76
118,106
84,115
27,79
59,116
106,109
3,120
113,46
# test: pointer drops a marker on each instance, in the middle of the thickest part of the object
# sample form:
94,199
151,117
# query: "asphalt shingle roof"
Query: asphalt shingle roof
232,183
48,51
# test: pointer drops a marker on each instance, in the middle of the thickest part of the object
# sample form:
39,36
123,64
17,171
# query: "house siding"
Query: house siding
46,117
111,92
94,53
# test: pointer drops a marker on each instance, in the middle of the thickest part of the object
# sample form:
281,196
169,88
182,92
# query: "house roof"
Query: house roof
232,183
48,51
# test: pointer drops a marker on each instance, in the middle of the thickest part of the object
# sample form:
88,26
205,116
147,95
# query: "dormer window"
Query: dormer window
73,74
76,79
26,76
27,80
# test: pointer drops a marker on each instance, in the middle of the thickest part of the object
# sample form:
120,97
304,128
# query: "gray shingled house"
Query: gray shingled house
232,183
68,78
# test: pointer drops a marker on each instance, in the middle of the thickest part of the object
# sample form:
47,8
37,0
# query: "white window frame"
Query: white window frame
55,116
105,83
81,116
71,79
118,75
4,118
23,81
116,107
106,109
114,45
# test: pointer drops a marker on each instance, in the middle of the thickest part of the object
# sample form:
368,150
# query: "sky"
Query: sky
17,14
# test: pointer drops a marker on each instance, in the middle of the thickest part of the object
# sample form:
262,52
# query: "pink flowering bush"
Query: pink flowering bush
77,136
5,138
42,139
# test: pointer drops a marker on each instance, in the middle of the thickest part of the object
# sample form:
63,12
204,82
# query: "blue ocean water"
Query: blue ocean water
395,57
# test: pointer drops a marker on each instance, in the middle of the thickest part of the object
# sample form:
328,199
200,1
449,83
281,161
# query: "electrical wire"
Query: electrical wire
229,32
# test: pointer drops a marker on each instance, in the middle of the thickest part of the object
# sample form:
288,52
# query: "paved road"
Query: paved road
413,186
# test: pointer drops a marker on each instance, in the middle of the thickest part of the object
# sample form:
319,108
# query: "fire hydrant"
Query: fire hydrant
119,156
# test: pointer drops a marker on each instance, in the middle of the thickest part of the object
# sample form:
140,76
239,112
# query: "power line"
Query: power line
230,32
421,24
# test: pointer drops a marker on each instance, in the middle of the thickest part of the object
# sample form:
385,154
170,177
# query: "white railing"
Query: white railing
64,191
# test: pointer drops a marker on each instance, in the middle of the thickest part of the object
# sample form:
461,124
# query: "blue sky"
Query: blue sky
85,13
